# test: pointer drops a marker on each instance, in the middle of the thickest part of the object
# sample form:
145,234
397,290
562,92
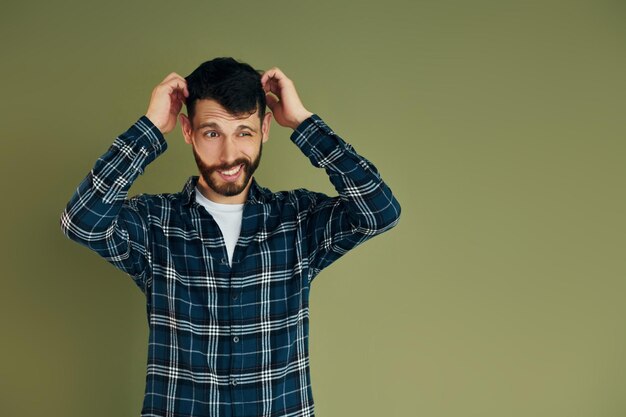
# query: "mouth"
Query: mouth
231,174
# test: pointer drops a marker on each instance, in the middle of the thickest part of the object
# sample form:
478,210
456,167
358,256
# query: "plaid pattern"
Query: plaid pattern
227,341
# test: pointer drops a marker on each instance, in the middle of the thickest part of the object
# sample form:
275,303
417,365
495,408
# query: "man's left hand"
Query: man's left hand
283,99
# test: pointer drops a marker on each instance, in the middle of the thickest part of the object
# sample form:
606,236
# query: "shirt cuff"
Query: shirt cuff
319,142
147,134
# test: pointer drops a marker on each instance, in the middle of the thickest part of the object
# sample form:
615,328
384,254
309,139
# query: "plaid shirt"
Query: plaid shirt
227,341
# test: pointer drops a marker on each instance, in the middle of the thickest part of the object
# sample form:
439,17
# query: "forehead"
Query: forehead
210,111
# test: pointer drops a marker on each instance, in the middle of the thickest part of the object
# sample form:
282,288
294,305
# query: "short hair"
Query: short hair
234,85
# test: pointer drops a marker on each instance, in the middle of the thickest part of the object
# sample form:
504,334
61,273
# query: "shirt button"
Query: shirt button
233,381
235,339
235,297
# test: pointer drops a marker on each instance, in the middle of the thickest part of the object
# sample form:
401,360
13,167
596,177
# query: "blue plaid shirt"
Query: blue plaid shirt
227,341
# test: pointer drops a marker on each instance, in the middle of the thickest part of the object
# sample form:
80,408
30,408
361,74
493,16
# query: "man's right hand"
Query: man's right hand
166,101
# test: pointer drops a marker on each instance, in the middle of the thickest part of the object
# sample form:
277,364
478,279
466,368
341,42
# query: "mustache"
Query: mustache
226,167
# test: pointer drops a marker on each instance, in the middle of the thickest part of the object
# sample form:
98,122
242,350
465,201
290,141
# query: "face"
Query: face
227,149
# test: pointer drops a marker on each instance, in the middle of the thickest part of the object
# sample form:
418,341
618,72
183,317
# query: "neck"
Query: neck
222,199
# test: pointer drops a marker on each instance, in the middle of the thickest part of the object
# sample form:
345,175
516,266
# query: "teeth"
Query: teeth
232,171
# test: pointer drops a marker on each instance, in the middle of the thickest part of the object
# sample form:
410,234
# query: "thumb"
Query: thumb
271,101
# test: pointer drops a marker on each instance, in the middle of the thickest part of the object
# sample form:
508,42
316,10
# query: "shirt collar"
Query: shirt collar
256,193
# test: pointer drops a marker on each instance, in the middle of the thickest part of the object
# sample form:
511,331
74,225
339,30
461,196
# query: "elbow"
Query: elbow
69,228
64,223
381,221
388,214
79,229
392,215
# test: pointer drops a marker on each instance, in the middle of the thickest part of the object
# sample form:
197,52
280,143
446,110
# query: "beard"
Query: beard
228,189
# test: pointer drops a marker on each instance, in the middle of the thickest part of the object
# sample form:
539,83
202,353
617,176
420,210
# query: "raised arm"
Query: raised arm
365,206
99,215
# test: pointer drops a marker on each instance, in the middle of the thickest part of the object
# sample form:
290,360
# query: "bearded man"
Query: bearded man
225,264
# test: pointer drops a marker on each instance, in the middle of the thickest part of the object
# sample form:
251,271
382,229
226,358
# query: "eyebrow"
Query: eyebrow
216,126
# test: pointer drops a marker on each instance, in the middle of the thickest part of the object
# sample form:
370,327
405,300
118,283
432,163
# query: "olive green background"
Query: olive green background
499,125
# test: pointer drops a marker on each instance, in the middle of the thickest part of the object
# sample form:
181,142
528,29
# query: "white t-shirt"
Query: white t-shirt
228,218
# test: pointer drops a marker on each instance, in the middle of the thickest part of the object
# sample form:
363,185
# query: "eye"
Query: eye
211,134
245,134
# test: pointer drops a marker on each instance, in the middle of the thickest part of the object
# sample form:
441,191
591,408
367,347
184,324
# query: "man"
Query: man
225,264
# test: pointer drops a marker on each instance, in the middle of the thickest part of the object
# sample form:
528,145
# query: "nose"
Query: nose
228,152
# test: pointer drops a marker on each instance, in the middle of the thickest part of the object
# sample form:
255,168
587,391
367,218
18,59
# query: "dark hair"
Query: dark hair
234,85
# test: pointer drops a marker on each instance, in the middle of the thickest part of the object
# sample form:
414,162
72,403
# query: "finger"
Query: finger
170,76
275,86
178,84
272,86
267,86
265,82
266,75
183,85
179,96
274,72
271,101
185,89
278,82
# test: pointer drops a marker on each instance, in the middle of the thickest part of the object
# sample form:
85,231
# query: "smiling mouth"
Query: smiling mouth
233,173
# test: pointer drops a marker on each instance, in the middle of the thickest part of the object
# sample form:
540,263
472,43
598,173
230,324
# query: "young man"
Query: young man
225,264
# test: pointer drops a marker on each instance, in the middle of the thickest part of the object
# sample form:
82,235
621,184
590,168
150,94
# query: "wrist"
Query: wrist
301,118
154,121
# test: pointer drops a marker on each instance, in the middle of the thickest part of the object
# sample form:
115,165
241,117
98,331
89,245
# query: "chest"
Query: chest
191,273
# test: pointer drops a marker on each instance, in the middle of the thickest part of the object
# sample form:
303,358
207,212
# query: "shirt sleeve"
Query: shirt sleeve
100,216
365,206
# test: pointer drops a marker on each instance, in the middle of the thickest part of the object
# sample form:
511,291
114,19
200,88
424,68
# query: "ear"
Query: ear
185,125
265,129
